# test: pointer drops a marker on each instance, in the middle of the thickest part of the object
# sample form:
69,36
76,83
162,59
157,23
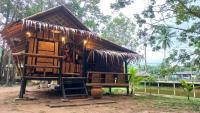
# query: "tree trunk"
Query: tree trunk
8,69
1,62
145,58
164,54
131,89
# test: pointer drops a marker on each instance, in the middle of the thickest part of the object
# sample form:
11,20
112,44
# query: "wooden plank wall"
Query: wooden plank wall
39,46
70,67
44,48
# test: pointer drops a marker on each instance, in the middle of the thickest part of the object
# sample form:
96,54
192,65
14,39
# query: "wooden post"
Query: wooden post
110,90
194,94
60,67
126,76
158,87
145,86
174,84
84,63
23,80
22,88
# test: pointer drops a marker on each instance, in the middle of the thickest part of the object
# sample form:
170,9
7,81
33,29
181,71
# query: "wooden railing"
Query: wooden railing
107,78
38,55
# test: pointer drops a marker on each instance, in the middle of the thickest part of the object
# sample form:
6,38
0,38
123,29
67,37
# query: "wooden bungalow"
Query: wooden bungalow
55,45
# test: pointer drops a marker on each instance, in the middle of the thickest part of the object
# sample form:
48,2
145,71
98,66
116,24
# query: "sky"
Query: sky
136,7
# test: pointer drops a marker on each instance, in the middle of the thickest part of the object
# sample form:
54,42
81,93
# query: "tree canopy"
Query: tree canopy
175,14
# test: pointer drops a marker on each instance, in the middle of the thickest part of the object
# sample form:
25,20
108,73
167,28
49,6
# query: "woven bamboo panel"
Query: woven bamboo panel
109,78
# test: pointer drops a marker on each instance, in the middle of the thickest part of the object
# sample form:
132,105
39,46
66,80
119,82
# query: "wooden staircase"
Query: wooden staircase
74,87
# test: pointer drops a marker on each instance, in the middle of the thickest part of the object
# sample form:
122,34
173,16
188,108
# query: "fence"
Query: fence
169,88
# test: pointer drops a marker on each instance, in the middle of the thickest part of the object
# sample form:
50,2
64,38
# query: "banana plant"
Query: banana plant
187,87
134,80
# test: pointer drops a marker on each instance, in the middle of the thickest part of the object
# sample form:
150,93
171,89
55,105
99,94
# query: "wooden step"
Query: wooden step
75,88
69,78
75,95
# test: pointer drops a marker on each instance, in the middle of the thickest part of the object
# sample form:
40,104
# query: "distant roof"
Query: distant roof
142,73
186,72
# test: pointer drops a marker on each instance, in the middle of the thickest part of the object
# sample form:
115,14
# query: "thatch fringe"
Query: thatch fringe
111,55
42,25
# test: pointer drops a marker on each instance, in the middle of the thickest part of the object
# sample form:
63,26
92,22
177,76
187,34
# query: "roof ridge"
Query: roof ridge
43,12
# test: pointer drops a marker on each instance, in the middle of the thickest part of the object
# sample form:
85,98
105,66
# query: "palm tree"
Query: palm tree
164,36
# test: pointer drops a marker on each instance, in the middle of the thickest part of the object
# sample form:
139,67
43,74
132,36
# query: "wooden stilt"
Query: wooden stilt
110,90
126,76
22,88
127,90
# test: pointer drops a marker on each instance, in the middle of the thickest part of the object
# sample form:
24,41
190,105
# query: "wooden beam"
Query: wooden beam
81,103
107,84
114,73
38,55
38,66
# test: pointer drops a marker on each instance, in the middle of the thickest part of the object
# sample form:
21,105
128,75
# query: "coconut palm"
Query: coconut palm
162,38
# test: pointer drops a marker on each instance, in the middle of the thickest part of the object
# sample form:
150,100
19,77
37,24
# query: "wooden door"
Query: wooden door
46,48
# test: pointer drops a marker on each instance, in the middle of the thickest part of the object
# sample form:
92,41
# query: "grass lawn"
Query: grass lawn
171,103
154,90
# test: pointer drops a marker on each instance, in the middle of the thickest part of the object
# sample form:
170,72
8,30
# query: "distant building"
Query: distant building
186,75
143,74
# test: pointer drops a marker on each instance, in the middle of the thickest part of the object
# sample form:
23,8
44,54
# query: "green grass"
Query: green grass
154,90
168,91
171,103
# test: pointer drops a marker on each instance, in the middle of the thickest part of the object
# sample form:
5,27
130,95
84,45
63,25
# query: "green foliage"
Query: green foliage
162,38
187,87
120,30
134,80
184,11
120,4
155,70
151,79
166,70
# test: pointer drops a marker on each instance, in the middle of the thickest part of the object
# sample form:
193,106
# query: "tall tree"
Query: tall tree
143,38
120,30
162,38
175,14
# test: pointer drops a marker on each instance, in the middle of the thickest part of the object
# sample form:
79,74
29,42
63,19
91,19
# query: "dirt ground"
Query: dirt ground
124,104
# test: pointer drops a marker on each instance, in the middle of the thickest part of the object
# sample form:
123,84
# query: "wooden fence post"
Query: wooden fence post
194,91
158,87
145,87
174,88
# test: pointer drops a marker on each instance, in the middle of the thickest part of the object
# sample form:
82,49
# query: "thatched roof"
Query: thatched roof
112,55
60,18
